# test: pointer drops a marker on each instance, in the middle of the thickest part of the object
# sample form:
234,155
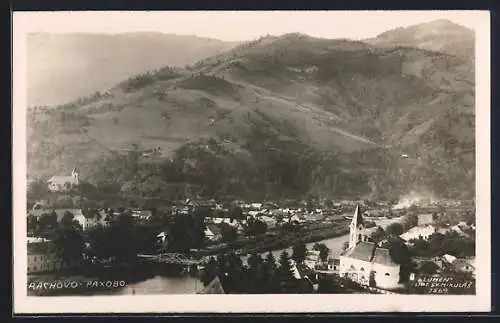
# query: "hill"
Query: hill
439,36
289,116
81,64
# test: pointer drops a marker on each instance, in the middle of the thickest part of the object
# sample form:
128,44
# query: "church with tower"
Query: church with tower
64,183
365,262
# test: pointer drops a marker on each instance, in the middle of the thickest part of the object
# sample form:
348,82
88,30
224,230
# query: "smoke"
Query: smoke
415,198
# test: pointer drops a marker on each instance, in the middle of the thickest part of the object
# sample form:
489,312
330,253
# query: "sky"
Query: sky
240,25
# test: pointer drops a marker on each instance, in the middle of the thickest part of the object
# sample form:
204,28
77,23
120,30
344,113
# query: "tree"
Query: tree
378,235
270,263
236,212
210,271
37,190
371,280
395,229
299,250
401,255
47,224
412,221
67,219
470,218
271,282
69,242
229,233
254,260
255,227
285,273
32,225
329,286
370,224
323,251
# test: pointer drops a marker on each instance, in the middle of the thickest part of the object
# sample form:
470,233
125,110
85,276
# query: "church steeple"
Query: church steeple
356,227
75,176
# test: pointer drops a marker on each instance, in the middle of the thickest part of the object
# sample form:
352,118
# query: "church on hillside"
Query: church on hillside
63,183
365,262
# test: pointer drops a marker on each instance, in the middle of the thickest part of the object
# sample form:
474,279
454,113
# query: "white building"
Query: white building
87,222
63,183
213,233
366,263
270,222
418,232
41,258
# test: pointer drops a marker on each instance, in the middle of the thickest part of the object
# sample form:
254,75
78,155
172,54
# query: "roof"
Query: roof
61,179
334,261
214,287
214,228
60,213
415,232
369,252
362,251
36,240
357,218
382,256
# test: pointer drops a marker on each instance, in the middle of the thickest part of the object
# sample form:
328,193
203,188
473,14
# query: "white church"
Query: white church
365,262
63,183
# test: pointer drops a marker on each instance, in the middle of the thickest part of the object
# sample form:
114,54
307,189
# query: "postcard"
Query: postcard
295,161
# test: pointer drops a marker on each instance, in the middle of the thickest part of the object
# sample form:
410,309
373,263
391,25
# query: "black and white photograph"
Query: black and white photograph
333,154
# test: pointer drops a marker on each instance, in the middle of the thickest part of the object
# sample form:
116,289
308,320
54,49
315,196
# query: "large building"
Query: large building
42,258
63,183
365,262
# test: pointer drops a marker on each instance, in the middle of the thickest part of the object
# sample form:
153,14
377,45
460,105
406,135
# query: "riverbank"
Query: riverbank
278,240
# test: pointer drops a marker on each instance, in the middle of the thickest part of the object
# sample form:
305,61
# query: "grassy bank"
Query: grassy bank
278,240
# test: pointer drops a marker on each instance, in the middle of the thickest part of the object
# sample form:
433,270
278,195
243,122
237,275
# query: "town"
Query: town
235,246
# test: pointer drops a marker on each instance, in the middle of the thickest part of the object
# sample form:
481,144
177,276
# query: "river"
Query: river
192,285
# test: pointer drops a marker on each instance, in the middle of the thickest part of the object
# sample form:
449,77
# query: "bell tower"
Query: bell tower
75,176
356,228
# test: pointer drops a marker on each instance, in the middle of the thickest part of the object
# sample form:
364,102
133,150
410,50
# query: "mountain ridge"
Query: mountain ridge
94,62
281,116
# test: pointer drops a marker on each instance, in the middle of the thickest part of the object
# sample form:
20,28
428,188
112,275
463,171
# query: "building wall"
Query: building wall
38,263
386,277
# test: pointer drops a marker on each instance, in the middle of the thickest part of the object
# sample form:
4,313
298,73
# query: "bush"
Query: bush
137,82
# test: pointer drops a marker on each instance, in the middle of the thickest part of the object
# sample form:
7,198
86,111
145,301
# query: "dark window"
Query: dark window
387,274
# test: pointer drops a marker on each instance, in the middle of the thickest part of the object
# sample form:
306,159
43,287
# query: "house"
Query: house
86,221
270,222
253,214
334,265
63,183
366,263
42,258
423,232
256,206
449,258
36,240
142,214
213,232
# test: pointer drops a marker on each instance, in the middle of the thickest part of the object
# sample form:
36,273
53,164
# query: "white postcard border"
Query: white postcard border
256,303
